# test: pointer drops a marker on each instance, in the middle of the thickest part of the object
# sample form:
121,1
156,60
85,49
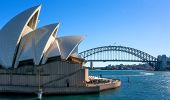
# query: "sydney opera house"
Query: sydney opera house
32,58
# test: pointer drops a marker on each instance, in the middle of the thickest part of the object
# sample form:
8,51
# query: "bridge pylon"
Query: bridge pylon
91,64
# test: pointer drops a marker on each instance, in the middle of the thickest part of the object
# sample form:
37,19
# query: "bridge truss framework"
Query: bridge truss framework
118,53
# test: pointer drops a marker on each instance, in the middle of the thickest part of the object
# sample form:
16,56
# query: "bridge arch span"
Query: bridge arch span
143,56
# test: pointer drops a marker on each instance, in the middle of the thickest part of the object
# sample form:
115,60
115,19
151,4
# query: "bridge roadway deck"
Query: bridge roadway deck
119,60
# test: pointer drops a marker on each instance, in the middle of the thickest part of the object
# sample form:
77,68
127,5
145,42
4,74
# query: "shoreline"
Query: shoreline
95,88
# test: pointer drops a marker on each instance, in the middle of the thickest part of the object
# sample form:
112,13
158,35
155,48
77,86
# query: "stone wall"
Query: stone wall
53,74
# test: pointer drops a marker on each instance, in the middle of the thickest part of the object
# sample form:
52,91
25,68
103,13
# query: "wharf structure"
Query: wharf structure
37,59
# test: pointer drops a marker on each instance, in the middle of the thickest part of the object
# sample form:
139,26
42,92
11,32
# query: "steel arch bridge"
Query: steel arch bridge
118,53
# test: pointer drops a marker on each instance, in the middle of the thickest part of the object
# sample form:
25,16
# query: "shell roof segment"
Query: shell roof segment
21,41
12,32
68,44
34,44
52,51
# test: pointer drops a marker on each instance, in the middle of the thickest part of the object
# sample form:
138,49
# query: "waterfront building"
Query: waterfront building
33,57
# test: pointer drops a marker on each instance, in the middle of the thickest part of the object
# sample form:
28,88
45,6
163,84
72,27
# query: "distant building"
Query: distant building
163,62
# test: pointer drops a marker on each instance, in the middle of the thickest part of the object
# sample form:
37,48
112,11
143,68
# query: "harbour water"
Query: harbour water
136,85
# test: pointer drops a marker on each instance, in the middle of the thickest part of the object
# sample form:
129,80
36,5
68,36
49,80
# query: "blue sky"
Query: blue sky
140,24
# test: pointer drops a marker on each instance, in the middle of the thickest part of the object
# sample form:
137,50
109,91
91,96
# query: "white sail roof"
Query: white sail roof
53,51
19,41
27,48
68,45
75,53
35,44
12,32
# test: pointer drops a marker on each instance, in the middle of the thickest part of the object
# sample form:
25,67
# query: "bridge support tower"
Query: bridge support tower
91,65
